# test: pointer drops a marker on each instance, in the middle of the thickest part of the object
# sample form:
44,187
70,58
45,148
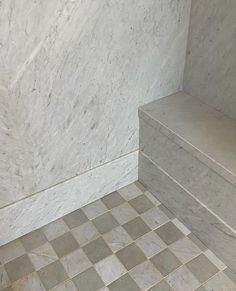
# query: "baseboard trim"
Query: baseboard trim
44,207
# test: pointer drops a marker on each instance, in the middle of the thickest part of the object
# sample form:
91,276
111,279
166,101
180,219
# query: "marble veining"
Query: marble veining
211,55
71,103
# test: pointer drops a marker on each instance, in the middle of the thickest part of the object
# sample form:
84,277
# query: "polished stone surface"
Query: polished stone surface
211,56
110,262
202,182
38,210
75,73
204,132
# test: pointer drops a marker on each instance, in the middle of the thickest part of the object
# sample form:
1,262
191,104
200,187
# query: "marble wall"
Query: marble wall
211,55
72,75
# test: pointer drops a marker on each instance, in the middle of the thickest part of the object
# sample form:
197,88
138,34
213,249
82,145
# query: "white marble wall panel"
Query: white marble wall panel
37,210
198,218
73,105
211,55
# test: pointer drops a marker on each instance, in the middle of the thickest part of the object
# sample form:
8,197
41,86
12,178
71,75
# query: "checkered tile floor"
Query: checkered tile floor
125,241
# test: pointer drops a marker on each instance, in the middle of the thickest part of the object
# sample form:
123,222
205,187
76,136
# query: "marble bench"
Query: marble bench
188,160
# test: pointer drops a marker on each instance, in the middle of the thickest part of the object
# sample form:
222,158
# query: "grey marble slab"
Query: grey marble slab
203,223
205,184
206,133
211,55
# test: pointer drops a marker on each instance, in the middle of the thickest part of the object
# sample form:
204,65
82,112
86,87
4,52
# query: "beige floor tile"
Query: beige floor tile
4,280
95,209
65,286
136,228
55,229
33,240
145,275
154,217
29,283
129,192
151,244
97,250
110,269
124,213
202,268
75,263
52,275
141,204
19,268
105,223
117,239
185,250
11,251
42,256
113,200
162,286
169,233
89,280
124,283
131,256
220,282
182,280
64,244
75,218
85,233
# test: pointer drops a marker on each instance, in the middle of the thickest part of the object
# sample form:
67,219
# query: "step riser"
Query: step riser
202,182
212,231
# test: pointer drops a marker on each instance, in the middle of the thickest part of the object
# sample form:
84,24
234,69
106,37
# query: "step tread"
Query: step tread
210,134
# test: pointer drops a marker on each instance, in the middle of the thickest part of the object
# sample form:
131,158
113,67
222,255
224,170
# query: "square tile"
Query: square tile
129,192
197,242
94,209
42,256
182,280
97,250
4,280
64,244
131,256
117,239
33,240
165,262
145,275
85,233
125,283
75,218
136,228
110,269
55,229
151,244
19,268
141,203
162,286
65,286
75,263
124,213
216,261
185,250
113,200
104,223
220,282
89,280
140,186
52,275
169,233
167,211
154,217
202,268
29,283
181,226
151,197
11,251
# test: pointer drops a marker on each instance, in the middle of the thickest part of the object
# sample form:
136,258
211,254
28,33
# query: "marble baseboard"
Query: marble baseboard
40,209
205,184
217,236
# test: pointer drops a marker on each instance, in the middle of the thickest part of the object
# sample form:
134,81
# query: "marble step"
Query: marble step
201,130
188,160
